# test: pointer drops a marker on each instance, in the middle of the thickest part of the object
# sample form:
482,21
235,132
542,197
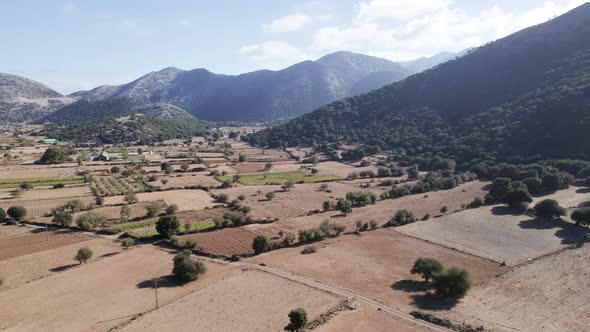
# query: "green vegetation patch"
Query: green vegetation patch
280,178
36,182
201,226
135,225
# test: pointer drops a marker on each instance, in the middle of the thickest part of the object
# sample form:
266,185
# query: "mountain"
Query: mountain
421,64
22,99
86,110
523,95
260,95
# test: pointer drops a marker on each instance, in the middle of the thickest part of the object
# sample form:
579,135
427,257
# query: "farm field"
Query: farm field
39,207
280,178
44,193
38,241
227,241
496,234
376,264
369,319
136,210
549,294
104,293
248,301
185,199
20,270
187,180
40,182
30,171
11,231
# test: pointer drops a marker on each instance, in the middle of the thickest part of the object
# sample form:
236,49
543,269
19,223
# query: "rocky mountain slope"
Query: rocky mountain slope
22,99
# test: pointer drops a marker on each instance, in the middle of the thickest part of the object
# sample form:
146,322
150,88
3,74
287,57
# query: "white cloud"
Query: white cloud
289,23
69,7
272,54
184,22
404,30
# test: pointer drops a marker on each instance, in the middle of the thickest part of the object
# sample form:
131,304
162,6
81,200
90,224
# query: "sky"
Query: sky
77,45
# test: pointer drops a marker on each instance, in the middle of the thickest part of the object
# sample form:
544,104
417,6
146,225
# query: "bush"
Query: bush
288,185
344,206
152,210
172,209
427,268
270,195
130,198
90,220
75,205
222,198
453,283
297,320
187,269
167,226
17,212
402,217
518,199
127,243
309,250
190,244
582,217
63,218
260,244
26,186
115,169
477,202
549,209
2,215
58,186
328,206
331,229
83,255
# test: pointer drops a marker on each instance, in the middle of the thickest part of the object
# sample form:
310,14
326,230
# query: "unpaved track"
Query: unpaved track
344,292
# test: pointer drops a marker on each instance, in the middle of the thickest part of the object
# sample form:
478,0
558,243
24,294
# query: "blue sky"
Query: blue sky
72,45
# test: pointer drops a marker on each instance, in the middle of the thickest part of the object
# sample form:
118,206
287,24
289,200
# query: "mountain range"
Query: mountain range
262,95
522,96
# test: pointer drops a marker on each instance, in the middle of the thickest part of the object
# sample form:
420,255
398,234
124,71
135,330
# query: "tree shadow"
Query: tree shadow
110,254
163,282
568,233
408,285
504,211
583,191
429,301
63,268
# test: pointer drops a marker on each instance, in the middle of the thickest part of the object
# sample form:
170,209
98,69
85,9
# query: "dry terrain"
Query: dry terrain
376,264
99,295
550,294
367,319
39,207
185,199
249,301
38,241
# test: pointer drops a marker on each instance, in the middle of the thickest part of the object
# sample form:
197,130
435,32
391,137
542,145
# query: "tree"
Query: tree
56,156
297,320
184,167
328,205
242,158
270,195
549,209
344,206
582,217
427,268
185,268
26,186
63,218
260,244
18,192
74,205
553,182
83,255
167,226
413,173
500,187
453,283
2,215
90,220
166,167
444,209
314,171
115,169
288,185
152,210
402,217
130,198
17,212
518,199
125,212
268,166
127,243
172,209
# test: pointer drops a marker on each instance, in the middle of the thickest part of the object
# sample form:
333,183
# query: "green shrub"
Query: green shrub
427,268
127,243
549,208
83,255
297,320
582,217
172,209
309,250
453,283
152,210
90,220
167,226
63,218
187,269
2,215
17,212
260,244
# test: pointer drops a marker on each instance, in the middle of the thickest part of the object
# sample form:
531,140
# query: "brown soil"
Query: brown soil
185,199
376,264
40,241
368,319
227,241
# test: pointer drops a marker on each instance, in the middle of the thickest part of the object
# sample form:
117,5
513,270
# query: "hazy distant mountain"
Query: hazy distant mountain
260,95
87,110
424,63
22,99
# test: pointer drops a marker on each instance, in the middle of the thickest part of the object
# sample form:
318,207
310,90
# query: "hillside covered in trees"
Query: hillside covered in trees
522,96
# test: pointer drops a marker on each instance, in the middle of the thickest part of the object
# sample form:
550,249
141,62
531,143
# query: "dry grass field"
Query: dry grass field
99,295
549,294
11,231
187,180
185,199
248,301
38,241
377,264
227,241
40,207
369,319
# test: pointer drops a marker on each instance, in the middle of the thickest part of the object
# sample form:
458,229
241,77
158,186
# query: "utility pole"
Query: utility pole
156,291
46,232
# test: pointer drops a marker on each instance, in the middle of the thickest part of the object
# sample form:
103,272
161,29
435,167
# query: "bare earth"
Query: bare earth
185,199
249,301
550,294
37,242
368,319
99,295
372,263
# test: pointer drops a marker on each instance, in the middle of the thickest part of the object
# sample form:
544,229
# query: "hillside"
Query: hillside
87,110
259,95
22,99
519,96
